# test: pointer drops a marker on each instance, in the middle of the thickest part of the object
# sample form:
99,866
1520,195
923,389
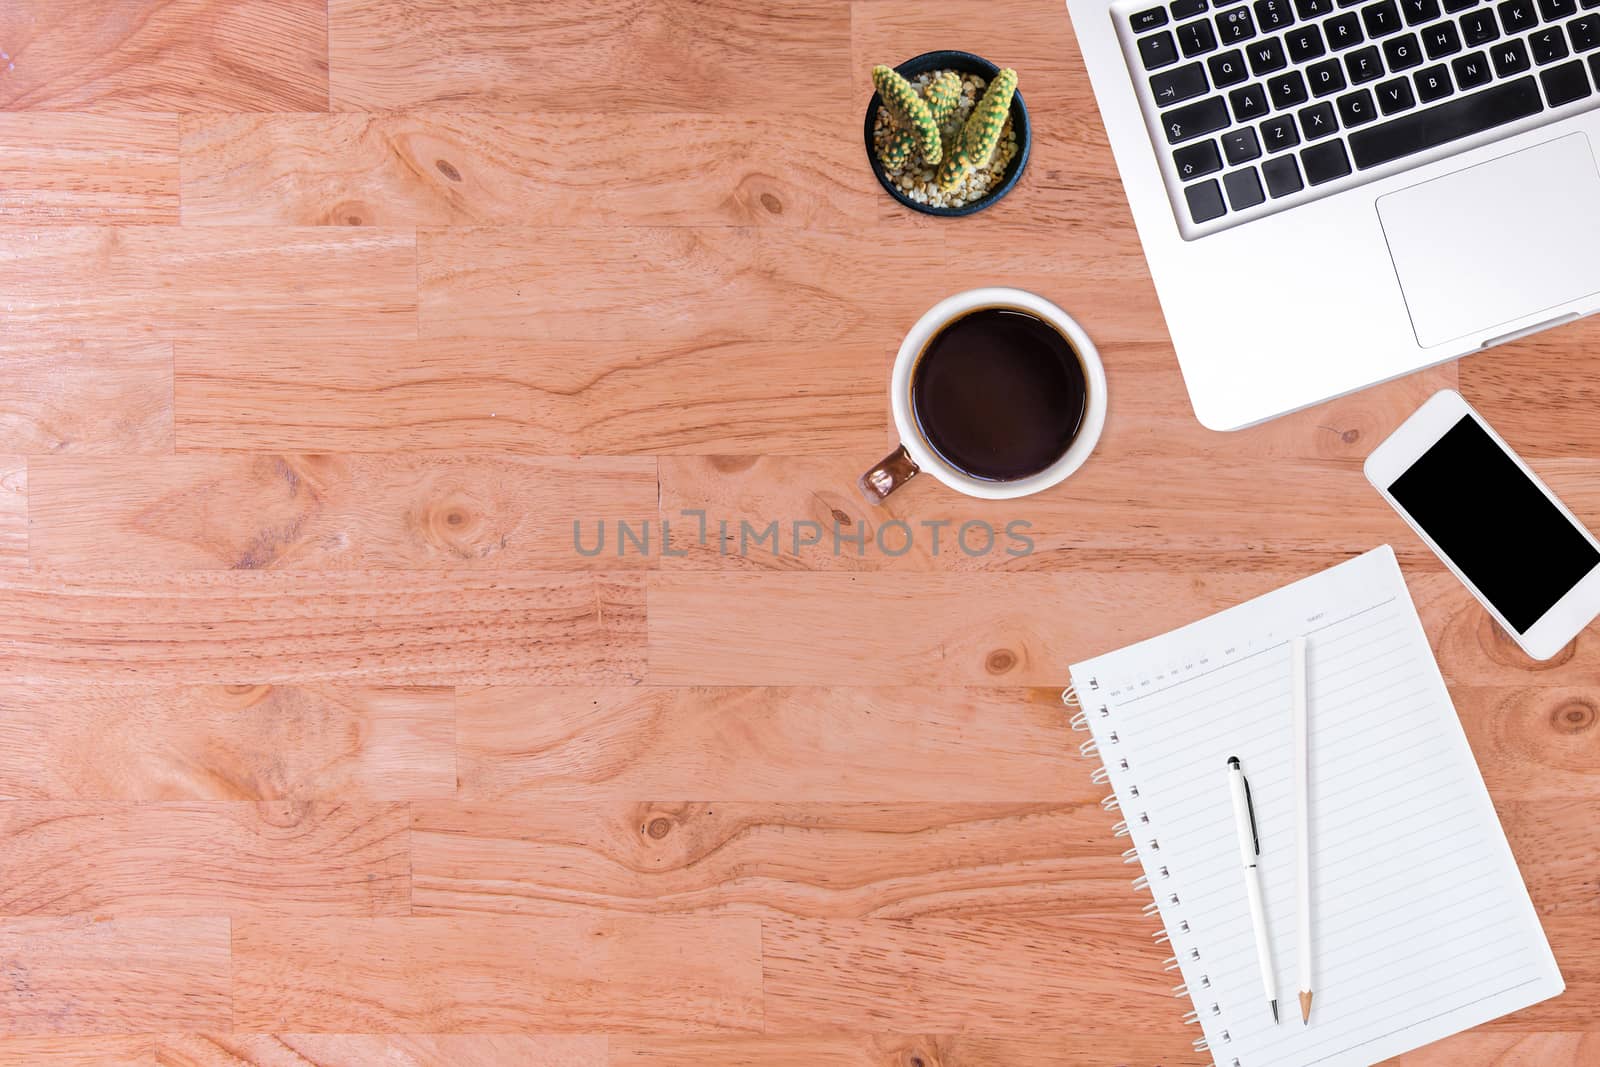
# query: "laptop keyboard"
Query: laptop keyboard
1256,107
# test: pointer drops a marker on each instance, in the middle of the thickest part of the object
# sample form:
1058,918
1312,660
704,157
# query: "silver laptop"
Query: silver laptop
1332,193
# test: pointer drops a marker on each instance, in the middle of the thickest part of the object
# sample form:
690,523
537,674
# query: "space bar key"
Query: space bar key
1463,117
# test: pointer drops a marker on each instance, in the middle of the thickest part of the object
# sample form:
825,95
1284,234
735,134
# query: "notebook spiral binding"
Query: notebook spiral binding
1101,775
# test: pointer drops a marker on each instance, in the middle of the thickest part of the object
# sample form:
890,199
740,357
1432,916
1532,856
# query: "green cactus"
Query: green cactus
898,148
942,94
956,166
982,131
910,111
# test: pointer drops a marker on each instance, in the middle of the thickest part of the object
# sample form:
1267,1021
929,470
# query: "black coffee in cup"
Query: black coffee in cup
999,394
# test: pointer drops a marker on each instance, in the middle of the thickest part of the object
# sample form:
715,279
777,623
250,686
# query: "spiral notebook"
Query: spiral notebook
1421,924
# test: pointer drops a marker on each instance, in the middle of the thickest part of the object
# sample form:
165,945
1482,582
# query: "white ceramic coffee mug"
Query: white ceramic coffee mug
916,454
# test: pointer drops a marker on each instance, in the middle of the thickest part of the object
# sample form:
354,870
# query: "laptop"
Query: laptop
1332,193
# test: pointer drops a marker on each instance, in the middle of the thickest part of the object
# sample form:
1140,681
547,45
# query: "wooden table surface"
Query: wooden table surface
322,322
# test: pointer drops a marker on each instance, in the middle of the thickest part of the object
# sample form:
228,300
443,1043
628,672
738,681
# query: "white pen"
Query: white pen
1244,820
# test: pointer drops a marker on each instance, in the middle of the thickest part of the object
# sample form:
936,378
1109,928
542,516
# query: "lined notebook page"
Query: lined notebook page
1422,926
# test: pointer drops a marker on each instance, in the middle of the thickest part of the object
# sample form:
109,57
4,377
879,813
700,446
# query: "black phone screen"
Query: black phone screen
1497,526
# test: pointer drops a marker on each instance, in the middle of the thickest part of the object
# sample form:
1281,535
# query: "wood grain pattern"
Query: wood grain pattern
322,512
225,742
88,168
537,398
546,168
275,858
320,743
72,397
13,511
893,861
818,744
699,55
391,1050
165,55
109,976
443,975
377,627
108,281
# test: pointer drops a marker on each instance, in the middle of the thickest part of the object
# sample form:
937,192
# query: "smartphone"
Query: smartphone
1493,522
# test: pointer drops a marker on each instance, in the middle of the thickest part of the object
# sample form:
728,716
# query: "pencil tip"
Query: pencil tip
1274,1011
1305,1007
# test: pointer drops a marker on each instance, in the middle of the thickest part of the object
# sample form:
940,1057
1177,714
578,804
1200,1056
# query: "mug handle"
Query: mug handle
889,474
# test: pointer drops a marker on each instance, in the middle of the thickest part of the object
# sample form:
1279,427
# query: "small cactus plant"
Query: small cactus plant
910,111
942,94
976,143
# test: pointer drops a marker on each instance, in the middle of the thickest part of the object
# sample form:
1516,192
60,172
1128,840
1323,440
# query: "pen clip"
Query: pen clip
1250,806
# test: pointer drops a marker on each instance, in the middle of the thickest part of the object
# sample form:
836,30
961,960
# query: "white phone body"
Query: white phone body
1550,632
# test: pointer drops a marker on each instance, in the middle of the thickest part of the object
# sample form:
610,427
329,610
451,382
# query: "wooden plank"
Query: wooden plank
392,1050
164,55
274,858
114,282
1572,935
325,512
1534,743
88,168
112,1050
1472,649
674,284
1534,394
967,628
713,56
225,742
545,168
1164,1046
951,975
73,397
1305,514
408,628
450,975
538,398
797,745
817,860
107,976
13,511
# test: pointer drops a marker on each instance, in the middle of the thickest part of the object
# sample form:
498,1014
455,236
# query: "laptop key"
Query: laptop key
1585,33
1517,15
1548,45
1184,9
1419,11
1452,6
1148,19
1479,27
1227,68
1471,70
1266,56
1244,188
1433,83
1287,90
1310,9
1431,127
1197,160
1364,65
1305,42
1282,175
1279,133
1196,38
1235,25
1325,77
1157,50
1240,146
1325,162
1195,120
1343,31
1564,84
1178,84
1381,18
1557,9
1441,40
1394,96
1249,102
1317,121
1356,109
1402,53
1273,14
1510,58
1205,201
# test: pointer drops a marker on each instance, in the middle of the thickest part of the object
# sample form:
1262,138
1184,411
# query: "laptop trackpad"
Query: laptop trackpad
1498,241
